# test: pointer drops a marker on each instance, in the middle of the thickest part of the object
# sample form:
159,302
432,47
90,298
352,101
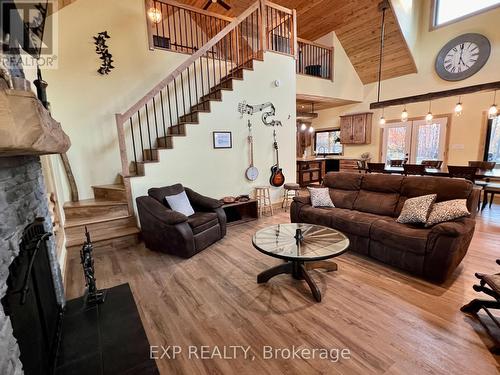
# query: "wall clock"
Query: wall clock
462,57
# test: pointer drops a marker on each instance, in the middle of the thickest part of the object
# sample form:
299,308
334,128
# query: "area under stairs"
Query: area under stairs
106,217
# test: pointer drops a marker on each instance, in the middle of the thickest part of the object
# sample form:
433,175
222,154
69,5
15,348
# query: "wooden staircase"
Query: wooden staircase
191,118
106,217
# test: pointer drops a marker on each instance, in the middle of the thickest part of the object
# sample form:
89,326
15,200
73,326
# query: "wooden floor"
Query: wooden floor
391,322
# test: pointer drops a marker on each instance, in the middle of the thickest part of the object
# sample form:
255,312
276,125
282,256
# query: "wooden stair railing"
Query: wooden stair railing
314,59
151,123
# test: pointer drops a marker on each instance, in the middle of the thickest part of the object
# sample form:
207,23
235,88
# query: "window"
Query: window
415,141
449,10
328,142
492,151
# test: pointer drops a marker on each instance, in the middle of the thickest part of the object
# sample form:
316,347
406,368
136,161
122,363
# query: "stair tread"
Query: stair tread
93,202
71,223
102,235
110,187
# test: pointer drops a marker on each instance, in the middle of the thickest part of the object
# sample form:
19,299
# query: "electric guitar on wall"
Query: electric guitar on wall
277,177
252,172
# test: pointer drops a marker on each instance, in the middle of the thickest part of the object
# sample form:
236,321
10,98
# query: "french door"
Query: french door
415,141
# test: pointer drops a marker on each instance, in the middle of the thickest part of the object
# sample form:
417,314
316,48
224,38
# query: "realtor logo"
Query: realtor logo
29,34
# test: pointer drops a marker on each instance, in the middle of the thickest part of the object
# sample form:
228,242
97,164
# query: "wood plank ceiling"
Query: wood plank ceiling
357,25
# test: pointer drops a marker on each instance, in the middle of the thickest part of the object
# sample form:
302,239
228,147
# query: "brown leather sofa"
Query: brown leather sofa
366,208
171,232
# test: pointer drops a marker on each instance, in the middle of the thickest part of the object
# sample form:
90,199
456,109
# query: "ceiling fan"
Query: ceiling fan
220,2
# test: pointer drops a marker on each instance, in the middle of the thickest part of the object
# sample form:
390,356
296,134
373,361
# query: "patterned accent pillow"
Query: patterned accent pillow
447,210
320,197
416,210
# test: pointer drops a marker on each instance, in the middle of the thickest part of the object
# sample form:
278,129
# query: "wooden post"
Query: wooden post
332,61
148,4
294,35
123,157
263,15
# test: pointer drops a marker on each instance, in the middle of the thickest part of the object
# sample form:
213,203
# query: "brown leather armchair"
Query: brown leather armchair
171,232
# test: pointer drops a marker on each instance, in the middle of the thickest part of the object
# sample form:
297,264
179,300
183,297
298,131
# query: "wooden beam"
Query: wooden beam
437,95
301,115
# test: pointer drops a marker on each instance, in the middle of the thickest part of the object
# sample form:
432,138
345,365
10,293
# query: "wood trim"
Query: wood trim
310,76
491,86
278,7
433,16
263,25
123,157
148,4
194,57
197,10
282,53
381,145
482,135
305,41
295,49
70,176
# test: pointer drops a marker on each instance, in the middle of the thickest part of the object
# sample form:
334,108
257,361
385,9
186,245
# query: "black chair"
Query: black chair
396,162
414,169
489,285
376,168
469,173
483,165
432,163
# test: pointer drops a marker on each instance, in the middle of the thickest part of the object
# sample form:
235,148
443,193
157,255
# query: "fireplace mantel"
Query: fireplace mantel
27,128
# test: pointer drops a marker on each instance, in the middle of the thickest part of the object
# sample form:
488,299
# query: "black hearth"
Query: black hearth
99,339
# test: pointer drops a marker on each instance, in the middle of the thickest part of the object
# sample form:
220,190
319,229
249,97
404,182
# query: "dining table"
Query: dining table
481,174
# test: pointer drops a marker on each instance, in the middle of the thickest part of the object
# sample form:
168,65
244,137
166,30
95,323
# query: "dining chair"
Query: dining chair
484,165
432,163
396,162
414,169
376,168
469,173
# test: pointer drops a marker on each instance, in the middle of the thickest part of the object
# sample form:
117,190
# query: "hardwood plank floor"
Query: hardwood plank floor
391,322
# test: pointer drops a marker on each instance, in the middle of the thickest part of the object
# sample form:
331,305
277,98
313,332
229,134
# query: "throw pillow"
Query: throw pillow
416,210
447,210
320,197
180,203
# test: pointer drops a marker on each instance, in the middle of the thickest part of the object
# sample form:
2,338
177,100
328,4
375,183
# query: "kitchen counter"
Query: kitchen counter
312,170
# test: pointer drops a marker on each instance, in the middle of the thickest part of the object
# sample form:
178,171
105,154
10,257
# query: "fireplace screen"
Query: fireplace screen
31,302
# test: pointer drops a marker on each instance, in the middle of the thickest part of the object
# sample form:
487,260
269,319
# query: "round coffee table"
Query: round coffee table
303,247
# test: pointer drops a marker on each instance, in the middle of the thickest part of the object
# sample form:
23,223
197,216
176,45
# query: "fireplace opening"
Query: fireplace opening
31,302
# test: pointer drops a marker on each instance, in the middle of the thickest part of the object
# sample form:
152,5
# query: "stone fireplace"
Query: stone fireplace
22,199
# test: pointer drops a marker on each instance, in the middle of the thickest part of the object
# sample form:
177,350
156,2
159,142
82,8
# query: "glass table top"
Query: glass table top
316,242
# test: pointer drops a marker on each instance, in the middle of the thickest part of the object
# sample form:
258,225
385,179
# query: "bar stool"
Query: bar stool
291,190
263,197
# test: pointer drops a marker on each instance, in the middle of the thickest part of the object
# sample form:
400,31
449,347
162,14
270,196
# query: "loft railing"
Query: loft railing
179,27
178,99
314,59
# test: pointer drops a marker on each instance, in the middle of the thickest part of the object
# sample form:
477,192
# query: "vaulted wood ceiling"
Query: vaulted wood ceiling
357,25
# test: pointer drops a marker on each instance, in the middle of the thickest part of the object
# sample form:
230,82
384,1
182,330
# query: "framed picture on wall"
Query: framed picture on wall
223,140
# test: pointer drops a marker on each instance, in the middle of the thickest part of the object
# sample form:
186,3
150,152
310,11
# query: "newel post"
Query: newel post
123,157
294,34
263,23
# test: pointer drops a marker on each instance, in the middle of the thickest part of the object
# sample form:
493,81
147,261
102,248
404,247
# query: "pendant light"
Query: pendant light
382,118
493,111
303,127
429,116
404,115
383,6
311,129
458,107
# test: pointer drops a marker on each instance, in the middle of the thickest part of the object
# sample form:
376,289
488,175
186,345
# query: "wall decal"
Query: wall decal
247,109
102,49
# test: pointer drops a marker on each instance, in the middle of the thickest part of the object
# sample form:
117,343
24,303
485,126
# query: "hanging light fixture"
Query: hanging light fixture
382,118
311,129
303,127
404,115
429,116
458,107
493,111
154,15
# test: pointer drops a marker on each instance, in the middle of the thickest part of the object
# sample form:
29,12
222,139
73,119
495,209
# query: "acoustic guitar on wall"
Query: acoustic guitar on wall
277,177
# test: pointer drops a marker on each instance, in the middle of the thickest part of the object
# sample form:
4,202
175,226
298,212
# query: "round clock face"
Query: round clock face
462,57
252,173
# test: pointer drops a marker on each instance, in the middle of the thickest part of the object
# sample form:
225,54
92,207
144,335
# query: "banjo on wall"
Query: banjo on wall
252,172
462,57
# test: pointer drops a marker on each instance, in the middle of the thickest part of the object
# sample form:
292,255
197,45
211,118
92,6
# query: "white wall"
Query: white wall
466,137
218,173
346,84
84,101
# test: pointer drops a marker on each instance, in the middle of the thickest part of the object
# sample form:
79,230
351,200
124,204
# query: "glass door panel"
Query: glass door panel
396,142
428,140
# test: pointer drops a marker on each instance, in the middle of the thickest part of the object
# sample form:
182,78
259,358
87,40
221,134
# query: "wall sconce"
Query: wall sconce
155,15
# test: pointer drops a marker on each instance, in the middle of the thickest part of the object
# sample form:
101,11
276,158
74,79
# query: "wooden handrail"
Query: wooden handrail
305,41
278,7
197,10
194,57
